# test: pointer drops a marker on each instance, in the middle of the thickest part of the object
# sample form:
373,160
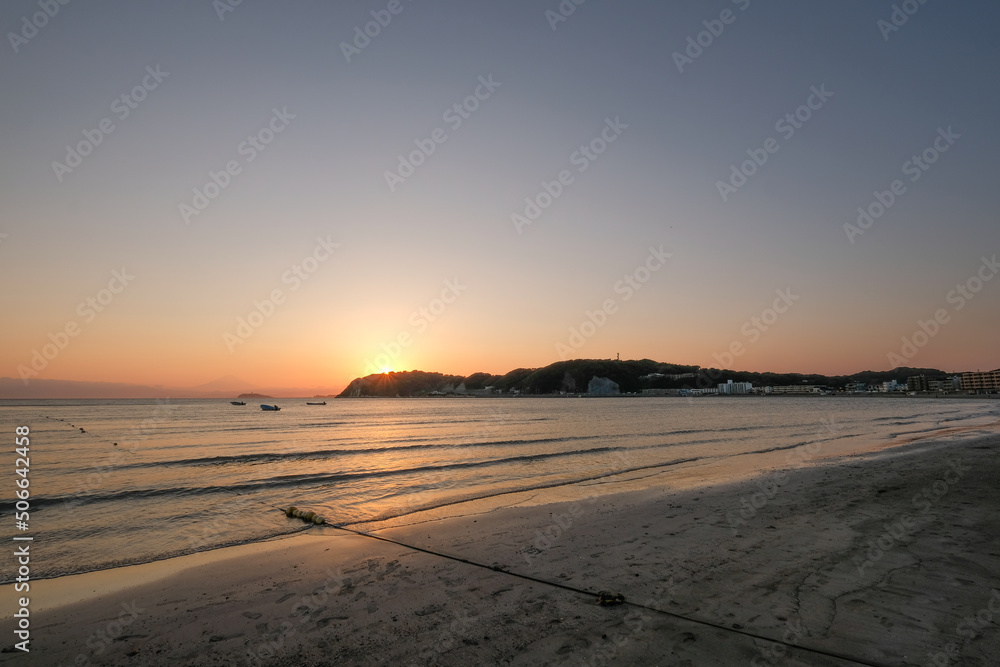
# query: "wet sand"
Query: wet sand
887,558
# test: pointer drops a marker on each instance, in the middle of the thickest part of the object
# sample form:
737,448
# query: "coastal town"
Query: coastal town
614,377
970,383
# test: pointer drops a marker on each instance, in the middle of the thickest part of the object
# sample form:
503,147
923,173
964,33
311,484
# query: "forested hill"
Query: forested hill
574,375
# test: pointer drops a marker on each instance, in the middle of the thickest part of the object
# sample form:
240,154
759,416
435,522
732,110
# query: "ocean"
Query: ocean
116,482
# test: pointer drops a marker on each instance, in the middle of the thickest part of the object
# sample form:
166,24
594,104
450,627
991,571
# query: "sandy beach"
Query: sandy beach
886,558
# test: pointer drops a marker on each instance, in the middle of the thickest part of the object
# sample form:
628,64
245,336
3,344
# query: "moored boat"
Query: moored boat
238,402
273,408
308,403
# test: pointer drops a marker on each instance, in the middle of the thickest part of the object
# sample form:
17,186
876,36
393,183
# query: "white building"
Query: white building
794,389
699,392
735,388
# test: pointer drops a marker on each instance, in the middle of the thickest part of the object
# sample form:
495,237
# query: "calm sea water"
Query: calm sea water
191,475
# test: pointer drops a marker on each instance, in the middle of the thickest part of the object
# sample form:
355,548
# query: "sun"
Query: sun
386,370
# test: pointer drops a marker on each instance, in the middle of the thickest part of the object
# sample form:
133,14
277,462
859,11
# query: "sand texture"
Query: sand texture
891,558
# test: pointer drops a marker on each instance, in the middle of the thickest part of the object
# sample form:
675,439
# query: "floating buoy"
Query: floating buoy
307,516
606,599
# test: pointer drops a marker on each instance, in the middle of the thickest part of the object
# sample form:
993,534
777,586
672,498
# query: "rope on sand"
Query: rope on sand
600,596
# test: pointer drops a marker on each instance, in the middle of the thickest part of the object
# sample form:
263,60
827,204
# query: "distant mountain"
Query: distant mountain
569,376
404,383
227,387
574,376
13,388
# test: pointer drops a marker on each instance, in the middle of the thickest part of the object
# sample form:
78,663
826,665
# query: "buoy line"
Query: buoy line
556,584
310,517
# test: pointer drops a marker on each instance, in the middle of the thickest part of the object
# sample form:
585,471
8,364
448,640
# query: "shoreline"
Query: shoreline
699,472
790,547
872,395
685,474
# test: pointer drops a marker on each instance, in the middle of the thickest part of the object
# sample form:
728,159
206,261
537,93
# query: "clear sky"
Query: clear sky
117,116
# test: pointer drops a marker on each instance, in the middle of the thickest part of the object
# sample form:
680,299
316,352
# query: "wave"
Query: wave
321,454
320,479
520,489
424,443
311,479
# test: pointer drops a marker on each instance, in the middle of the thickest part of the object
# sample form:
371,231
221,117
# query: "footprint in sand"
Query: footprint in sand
429,609
283,598
252,615
389,569
323,622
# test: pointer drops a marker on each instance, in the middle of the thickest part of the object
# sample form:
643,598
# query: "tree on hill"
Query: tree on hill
480,381
404,383
631,376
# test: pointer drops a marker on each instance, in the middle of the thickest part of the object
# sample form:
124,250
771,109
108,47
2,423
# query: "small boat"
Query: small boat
238,402
274,408
308,403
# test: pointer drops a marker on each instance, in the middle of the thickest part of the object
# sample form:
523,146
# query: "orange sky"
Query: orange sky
483,186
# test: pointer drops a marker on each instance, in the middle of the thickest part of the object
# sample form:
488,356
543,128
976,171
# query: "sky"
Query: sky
298,194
